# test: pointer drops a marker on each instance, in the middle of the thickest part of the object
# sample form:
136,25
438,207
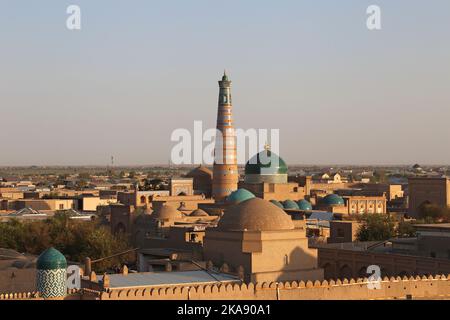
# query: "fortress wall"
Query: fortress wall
335,261
353,289
72,294
437,287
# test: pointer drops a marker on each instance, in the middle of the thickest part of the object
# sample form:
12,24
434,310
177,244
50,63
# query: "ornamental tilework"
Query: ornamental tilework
52,283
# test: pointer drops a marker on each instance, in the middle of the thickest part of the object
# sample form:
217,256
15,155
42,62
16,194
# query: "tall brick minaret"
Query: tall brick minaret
225,173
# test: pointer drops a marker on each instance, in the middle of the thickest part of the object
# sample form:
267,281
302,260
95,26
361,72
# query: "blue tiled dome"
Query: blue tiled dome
304,205
289,204
239,196
255,215
51,259
277,203
266,162
333,200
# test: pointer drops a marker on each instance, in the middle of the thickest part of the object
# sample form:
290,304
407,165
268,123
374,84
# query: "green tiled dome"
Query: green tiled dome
333,200
304,205
277,203
239,196
266,162
289,204
51,259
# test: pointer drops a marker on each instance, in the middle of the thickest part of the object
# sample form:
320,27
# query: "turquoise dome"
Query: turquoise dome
289,204
277,203
266,162
51,259
333,200
304,205
239,196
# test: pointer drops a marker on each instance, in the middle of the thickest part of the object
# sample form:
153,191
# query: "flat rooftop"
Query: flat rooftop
434,226
157,279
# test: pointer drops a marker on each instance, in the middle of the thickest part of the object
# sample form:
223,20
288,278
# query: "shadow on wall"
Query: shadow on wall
297,261
345,271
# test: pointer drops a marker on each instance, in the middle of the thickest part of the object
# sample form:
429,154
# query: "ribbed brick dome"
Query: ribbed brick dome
167,212
199,213
255,215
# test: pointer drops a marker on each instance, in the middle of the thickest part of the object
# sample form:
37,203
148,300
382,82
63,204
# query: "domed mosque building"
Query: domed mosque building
259,239
266,176
332,203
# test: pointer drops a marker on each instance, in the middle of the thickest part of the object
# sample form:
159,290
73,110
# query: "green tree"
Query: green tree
405,229
75,239
376,227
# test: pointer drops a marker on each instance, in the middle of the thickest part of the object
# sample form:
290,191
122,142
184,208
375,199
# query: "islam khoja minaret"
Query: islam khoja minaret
225,172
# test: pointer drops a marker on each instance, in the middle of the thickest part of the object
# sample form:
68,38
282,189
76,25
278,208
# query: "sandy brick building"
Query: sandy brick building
261,240
422,191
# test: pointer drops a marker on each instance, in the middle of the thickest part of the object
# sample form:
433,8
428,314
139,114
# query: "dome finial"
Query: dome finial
267,146
225,76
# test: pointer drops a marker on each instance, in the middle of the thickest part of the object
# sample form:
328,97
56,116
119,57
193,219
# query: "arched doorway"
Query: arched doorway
362,272
345,272
328,271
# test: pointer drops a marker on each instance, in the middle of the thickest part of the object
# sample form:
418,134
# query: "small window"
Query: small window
61,206
286,259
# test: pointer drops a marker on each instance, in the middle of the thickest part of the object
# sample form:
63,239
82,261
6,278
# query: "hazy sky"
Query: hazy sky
339,93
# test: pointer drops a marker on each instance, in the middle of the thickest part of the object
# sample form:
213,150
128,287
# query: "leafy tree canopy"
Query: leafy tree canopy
376,227
75,239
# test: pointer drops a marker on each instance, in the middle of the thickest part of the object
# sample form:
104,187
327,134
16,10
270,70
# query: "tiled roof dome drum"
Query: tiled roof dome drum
266,167
51,276
255,215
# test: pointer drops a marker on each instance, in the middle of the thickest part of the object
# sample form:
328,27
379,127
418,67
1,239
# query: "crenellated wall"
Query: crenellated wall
72,294
391,288
437,287
20,296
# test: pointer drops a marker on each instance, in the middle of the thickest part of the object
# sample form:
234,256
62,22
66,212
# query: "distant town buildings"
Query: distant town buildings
202,233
